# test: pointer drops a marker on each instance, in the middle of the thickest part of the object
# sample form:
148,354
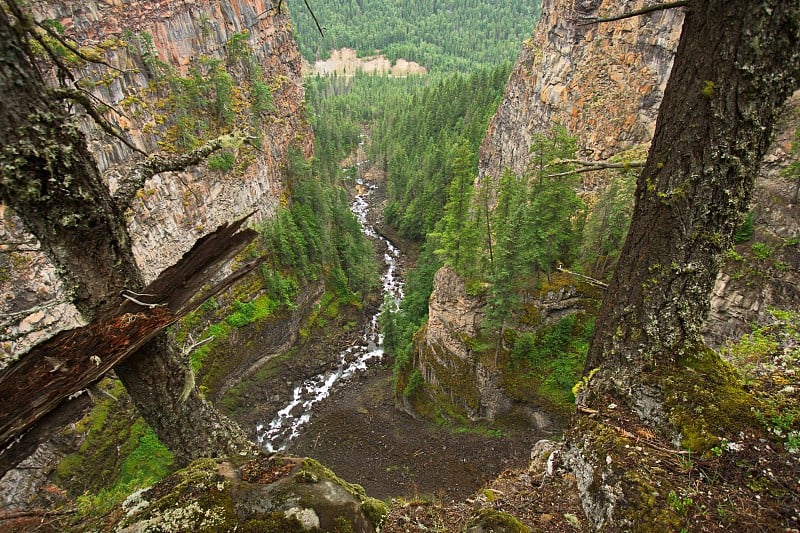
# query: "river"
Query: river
290,420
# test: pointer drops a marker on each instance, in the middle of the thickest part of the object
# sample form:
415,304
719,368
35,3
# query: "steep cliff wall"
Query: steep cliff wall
603,82
763,272
177,208
172,210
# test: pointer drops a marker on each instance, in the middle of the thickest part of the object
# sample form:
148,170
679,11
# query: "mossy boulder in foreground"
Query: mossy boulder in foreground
268,494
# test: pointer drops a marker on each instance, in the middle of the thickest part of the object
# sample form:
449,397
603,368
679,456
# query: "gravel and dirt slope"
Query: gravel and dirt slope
358,433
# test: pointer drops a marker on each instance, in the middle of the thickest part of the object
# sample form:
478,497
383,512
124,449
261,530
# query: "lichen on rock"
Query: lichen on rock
272,494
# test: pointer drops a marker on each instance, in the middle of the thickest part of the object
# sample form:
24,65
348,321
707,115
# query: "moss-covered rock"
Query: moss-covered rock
277,493
706,401
491,520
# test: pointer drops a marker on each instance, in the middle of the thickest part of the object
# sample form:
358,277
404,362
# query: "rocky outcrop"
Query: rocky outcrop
603,82
174,209
268,494
462,375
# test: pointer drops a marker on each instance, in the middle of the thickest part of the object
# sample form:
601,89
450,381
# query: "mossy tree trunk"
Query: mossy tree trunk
51,180
737,62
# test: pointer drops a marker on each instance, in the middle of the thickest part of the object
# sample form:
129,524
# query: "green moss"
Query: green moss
113,433
709,89
617,465
706,400
375,510
490,519
342,525
195,498
273,523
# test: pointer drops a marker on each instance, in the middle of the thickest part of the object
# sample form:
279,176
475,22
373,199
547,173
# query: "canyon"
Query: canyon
603,82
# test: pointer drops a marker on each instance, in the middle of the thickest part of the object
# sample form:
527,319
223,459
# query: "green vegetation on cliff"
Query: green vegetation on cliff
215,96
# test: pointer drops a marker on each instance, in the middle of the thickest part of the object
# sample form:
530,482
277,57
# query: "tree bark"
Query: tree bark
50,179
52,182
737,62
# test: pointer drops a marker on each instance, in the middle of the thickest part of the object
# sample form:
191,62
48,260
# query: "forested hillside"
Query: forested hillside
442,35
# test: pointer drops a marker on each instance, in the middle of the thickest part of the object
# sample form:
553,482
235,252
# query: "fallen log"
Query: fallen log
72,360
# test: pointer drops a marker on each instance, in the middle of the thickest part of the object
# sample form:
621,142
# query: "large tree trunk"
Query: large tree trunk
52,182
737,62
162,388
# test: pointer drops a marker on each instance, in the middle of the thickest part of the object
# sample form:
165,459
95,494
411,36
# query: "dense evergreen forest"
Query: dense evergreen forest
424,133
442,35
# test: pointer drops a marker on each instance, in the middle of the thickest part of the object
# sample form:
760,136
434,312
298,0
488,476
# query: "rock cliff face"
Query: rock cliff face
603,82
462,376
177,208
172,210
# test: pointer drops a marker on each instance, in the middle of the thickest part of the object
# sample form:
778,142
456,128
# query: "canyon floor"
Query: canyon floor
359,434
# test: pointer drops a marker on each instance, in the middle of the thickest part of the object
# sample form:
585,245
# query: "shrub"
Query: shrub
745,230
415,381
222,162
761,251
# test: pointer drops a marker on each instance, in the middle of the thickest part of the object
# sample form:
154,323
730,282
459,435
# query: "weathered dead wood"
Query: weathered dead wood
72,360
636,13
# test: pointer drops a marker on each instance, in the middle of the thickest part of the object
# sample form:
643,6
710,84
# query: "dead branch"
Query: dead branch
590,280
591,166
66,43
72,360
132,178
27,27
635,13
127,296
86,103
31,310
313,16
308,8
196,345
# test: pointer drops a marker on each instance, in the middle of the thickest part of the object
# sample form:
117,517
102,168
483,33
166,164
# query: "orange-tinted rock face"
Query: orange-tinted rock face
603,82
174,209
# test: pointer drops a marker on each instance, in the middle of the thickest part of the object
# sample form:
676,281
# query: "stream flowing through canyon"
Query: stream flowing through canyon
290,420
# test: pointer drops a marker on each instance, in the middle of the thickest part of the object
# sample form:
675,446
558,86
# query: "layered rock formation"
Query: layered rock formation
764,272
175,209
603,82
459,373
172,210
